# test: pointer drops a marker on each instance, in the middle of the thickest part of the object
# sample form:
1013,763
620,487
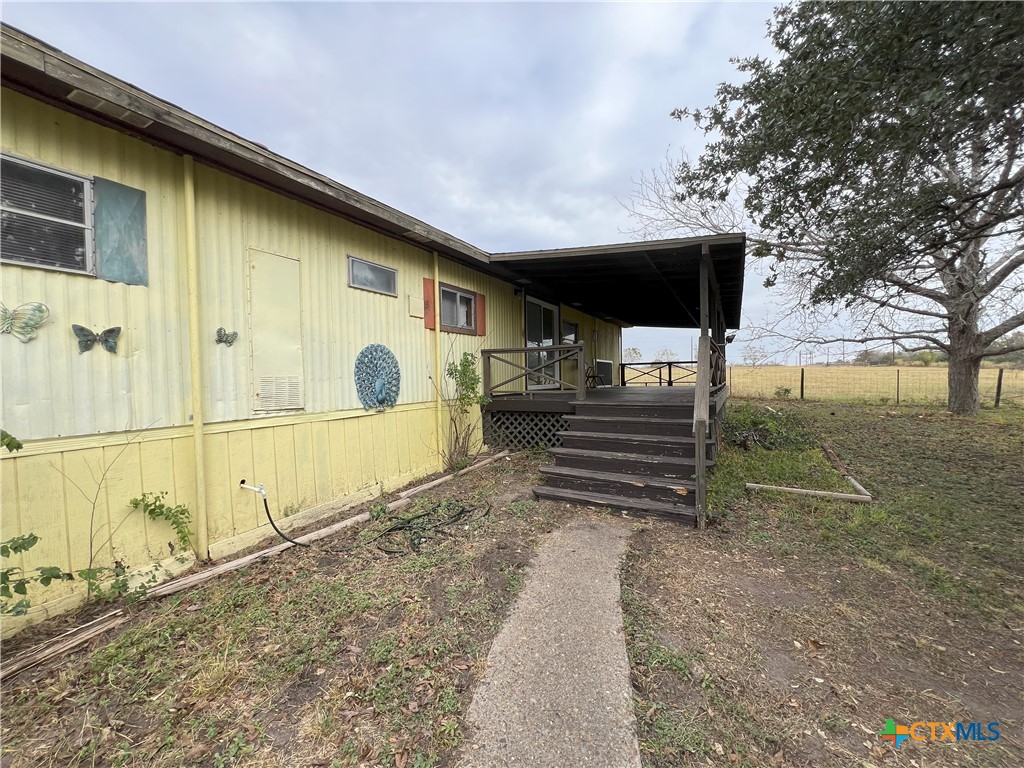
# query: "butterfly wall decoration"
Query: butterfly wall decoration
87,338
23,322
225,338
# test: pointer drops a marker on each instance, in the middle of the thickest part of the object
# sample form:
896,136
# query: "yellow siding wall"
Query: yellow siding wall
56,390
101,428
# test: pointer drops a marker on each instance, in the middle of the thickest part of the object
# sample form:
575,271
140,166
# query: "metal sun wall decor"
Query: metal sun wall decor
23,322
225,338
378,377
87,338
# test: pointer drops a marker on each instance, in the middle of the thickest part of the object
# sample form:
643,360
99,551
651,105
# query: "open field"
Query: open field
867,384
789,632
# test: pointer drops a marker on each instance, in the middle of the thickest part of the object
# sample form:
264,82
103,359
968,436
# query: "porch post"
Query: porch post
581,372
705,304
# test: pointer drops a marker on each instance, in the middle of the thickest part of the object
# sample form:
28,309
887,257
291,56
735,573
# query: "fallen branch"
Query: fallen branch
79,635
441,480
806,492
842,469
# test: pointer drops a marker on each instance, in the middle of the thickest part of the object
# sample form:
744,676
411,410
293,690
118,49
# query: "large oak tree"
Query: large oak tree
879,157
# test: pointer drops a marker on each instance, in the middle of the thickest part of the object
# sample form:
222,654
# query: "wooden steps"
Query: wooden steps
636,454
632,425
679,467
666,489
652,445
681,410
620,504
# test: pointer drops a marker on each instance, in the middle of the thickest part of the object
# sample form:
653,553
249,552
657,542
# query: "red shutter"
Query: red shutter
428,302
481,315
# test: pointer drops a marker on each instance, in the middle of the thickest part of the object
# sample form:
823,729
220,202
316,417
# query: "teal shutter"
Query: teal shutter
119,219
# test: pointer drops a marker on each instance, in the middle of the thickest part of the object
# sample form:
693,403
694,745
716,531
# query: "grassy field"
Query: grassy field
791,631
871,384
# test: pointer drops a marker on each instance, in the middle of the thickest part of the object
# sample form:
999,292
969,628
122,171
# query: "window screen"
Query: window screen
46,217
458,309
570,332
372,277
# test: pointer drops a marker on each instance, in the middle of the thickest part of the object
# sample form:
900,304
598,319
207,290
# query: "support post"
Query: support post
439,382
700,461
897,386
195,358
801,383
485,361
581,372
999,387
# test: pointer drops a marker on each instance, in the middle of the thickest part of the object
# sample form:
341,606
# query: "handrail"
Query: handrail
561,351
701,407
644,371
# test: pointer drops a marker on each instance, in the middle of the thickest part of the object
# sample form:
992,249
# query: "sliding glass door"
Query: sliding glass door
541,331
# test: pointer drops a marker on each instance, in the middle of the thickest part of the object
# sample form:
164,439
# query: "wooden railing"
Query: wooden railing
517,358
658,374
701,407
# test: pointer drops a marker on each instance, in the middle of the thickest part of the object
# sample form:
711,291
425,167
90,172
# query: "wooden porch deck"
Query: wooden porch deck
631,449
556,401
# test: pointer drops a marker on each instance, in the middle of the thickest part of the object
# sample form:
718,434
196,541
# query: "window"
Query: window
458,310
570,332
46,217
52,219
372,277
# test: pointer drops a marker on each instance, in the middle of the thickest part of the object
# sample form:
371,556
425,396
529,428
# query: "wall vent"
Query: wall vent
279,393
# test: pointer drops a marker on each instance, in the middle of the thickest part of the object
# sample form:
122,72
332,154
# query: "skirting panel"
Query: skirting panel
523,429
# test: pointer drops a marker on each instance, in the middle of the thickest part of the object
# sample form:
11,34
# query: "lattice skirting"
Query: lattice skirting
523,429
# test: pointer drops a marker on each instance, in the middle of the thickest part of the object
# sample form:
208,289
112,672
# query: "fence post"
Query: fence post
670,374
730,378
801,383
999,387
897,386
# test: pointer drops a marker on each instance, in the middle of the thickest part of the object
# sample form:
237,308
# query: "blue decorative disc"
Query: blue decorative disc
378,377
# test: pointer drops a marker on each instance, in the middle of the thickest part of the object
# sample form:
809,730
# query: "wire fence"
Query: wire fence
997,387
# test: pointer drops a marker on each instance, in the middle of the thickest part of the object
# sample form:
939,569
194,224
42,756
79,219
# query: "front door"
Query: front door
541,331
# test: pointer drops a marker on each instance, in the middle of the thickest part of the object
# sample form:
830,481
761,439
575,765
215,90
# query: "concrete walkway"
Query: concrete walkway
557,692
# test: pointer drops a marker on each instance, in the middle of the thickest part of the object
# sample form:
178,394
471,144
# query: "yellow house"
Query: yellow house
184,309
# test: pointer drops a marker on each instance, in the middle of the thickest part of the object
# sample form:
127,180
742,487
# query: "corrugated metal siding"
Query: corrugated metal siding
328,451
338,321
51,390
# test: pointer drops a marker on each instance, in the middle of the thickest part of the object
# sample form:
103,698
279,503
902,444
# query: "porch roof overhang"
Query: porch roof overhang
653,283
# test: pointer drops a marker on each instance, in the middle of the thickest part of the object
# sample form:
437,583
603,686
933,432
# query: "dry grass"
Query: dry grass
788,633
872,384
333,656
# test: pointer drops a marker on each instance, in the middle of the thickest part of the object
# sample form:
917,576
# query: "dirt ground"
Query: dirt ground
798,660
336,655
785,635
791,631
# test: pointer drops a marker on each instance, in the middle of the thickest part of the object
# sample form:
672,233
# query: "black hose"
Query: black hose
274,525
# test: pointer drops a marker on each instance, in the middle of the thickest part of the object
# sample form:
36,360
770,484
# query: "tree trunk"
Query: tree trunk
964,367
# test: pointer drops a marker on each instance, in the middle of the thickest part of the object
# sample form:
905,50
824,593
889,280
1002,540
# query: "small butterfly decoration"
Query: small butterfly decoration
225,338
86,338
23,322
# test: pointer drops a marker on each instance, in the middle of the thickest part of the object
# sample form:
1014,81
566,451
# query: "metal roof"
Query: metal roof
661,275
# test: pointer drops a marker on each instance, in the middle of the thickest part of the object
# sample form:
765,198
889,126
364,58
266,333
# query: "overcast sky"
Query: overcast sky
512,126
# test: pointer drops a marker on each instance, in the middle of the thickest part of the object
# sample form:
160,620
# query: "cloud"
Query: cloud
512,126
